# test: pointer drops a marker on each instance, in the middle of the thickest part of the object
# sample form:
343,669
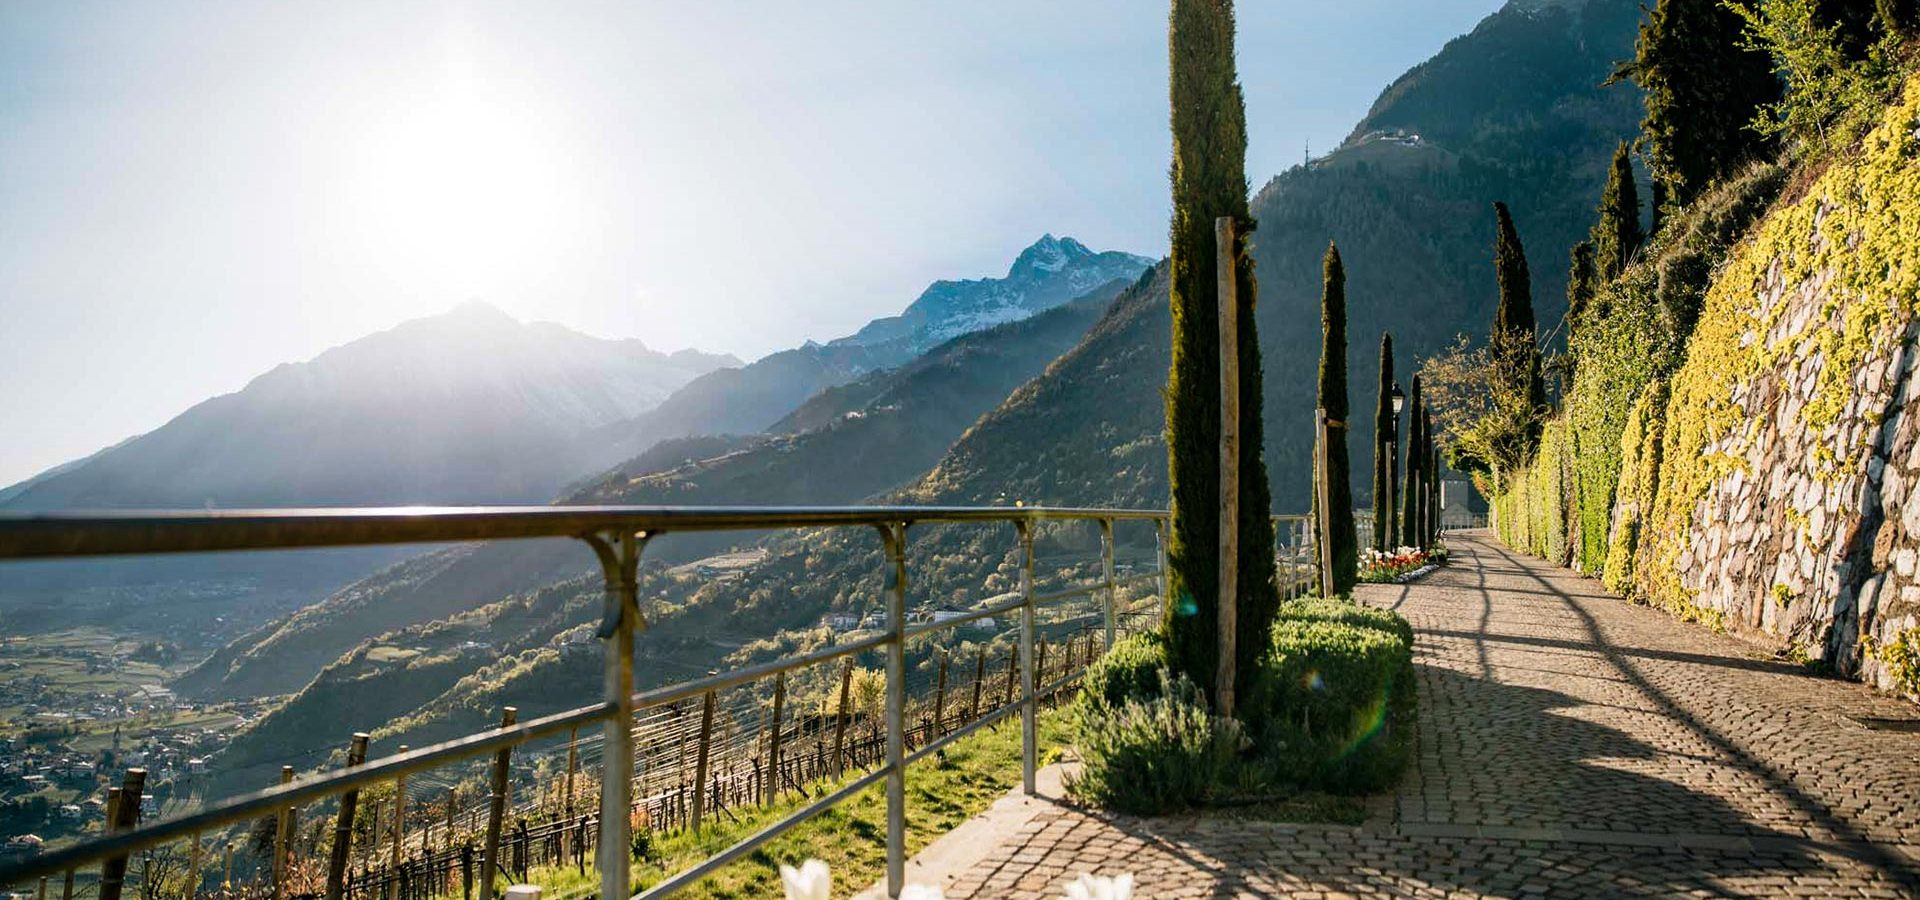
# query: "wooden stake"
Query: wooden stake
840,720
1226,282
773,744
701,758
283,842
343,823
126,814
940,699
399,828
497,810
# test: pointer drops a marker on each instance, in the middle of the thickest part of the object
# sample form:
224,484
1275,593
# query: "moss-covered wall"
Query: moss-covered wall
1771,485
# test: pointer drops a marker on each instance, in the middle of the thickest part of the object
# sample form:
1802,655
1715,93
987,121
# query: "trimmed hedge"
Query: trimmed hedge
1332,706
1156,755
1130,671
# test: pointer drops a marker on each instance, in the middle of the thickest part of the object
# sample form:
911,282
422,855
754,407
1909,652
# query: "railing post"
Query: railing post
496,809
895,536
1028,731
700,760
1160,550
1112,588
620,566
123,815
343,823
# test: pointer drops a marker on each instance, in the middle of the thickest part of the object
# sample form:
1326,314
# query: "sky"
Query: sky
194,192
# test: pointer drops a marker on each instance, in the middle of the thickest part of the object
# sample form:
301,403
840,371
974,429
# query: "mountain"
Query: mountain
754,398
904,420
1045,275
467,407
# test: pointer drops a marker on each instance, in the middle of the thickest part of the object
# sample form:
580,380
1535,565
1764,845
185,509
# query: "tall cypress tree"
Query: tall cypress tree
1617,235
1210,181
1582,289
1701,89
1411,493
1383,468
1513,332
1333,399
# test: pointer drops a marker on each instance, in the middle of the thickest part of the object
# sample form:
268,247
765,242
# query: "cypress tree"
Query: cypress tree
1383,473
1582,288
1333,399
1411,499
1513,323
1701,90
1617,234
1209,181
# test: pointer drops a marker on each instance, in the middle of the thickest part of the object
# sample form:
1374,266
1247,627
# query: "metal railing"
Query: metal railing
617,536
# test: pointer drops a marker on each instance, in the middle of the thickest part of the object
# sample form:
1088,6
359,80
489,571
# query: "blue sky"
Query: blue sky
192,193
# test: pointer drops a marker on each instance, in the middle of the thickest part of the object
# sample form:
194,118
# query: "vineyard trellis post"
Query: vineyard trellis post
840,719
282,842
701,759
496,809
772,785
343,823
940,697
400,826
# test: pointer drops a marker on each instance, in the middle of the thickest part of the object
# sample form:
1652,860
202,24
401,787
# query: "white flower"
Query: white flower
813,881
922,892
1101,887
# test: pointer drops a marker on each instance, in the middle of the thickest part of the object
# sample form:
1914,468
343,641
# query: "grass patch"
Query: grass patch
852,837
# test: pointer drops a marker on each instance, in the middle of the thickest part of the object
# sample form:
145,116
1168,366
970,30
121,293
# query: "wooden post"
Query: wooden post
497,809
195,858
283,842
42,895
701,758
399,826
466,871
979,678
1227,610
772,785
573,765
226,882
453,804
125,814
940,698
1013,672
840,720
1040,667
343,823
66,882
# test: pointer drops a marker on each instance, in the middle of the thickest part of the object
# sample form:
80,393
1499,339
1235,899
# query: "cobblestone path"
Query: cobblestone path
1570,745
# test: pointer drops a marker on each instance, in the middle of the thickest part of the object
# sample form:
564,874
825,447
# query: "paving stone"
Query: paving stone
1570,745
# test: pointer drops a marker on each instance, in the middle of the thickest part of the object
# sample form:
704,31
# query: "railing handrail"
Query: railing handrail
114,532
617,534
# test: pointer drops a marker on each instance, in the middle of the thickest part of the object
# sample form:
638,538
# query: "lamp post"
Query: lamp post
1387,540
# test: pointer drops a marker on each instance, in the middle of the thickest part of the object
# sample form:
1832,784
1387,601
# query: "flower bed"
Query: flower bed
1402,564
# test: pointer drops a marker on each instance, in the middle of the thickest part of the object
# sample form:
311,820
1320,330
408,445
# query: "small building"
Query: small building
841,621
948,615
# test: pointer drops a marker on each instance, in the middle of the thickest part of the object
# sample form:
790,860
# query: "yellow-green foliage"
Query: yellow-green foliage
1901,656
1532,514
1640,464
1858,230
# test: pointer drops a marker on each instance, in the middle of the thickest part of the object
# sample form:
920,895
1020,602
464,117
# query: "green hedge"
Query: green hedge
1156,755
1332,706
1130,671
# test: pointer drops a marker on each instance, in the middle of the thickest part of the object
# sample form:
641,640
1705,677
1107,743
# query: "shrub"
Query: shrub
1155,755
1332,705
1130,671
1314,609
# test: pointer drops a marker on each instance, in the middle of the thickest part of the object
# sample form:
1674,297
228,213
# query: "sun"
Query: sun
460,189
